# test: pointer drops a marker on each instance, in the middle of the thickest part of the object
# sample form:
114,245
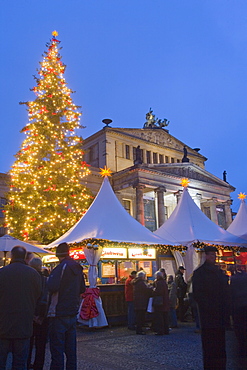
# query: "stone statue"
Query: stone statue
152,122
185,158
224,176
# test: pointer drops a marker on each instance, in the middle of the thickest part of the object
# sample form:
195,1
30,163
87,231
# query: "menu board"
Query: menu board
108,270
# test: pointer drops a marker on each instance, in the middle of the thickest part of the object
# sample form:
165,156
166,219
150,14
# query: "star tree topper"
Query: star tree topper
105,172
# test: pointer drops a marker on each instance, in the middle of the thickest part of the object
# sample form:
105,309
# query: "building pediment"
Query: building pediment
158,136
190,171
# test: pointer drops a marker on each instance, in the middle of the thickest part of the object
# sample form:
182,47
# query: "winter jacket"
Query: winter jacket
172,289
66,283
129,289
211,292
161,289
20,288
181,285
142,293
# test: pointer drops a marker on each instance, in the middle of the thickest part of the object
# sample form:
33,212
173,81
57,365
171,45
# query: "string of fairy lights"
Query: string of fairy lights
46,196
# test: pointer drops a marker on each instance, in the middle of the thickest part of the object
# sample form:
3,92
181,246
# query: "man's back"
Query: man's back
67,279
211,292
20,287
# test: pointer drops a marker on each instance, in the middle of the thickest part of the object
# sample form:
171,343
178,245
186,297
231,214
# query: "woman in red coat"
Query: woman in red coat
129,298
160,305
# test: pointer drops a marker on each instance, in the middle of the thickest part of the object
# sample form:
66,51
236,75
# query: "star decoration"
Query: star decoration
184,182
105,172
241,196
55,33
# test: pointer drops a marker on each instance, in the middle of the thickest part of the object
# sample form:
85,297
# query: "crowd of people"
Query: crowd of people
212,299
35,306
163,298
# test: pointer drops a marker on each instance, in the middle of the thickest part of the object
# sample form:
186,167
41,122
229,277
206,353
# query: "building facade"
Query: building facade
148,165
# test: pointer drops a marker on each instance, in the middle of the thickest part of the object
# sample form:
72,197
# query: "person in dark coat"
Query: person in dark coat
129,298
40,322
172,290
181,292
65,284
211,292
161,307
20,288
238,288
142,293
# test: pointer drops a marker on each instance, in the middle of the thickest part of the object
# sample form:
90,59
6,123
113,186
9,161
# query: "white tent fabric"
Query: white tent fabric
106,218
7,242
93,257
188,224
239,224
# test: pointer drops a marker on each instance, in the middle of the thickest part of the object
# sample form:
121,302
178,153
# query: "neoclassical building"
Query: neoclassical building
148,164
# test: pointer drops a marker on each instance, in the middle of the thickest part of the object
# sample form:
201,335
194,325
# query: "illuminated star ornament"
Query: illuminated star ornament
242,196
55,33
184,182
105,172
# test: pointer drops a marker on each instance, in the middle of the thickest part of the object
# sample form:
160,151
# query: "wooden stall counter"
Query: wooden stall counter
114,304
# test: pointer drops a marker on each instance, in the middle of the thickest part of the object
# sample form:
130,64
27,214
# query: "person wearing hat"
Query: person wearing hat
181,292
211,292
65,284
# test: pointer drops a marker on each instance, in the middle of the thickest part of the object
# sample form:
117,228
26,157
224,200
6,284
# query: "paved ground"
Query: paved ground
118,348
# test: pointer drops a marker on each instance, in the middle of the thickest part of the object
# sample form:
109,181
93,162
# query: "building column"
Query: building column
139,203
197,199
228,212
178,195
212,203
161,205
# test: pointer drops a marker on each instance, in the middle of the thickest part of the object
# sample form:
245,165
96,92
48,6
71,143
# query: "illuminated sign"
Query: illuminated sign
114,253
50,259
77,254
142,253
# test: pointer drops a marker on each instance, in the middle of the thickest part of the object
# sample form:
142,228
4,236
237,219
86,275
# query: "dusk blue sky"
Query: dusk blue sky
185,59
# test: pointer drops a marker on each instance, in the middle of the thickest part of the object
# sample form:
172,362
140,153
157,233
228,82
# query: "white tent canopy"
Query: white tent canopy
239,224
107,219
188,224
7,242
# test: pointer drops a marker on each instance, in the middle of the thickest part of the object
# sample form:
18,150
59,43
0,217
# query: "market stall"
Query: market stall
120,242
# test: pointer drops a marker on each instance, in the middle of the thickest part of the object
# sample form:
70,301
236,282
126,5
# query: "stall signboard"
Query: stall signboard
77,254
50,259
142,253
118,253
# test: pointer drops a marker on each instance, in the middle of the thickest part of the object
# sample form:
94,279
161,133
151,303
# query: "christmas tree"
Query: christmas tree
46,196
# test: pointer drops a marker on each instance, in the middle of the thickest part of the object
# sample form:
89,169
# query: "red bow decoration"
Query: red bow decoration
88,308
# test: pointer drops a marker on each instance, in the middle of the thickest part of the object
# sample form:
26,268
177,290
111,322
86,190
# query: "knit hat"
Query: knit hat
62,250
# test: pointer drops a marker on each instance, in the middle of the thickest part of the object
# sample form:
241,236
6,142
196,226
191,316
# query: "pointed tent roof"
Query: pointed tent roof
189,224
239,224
107,219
